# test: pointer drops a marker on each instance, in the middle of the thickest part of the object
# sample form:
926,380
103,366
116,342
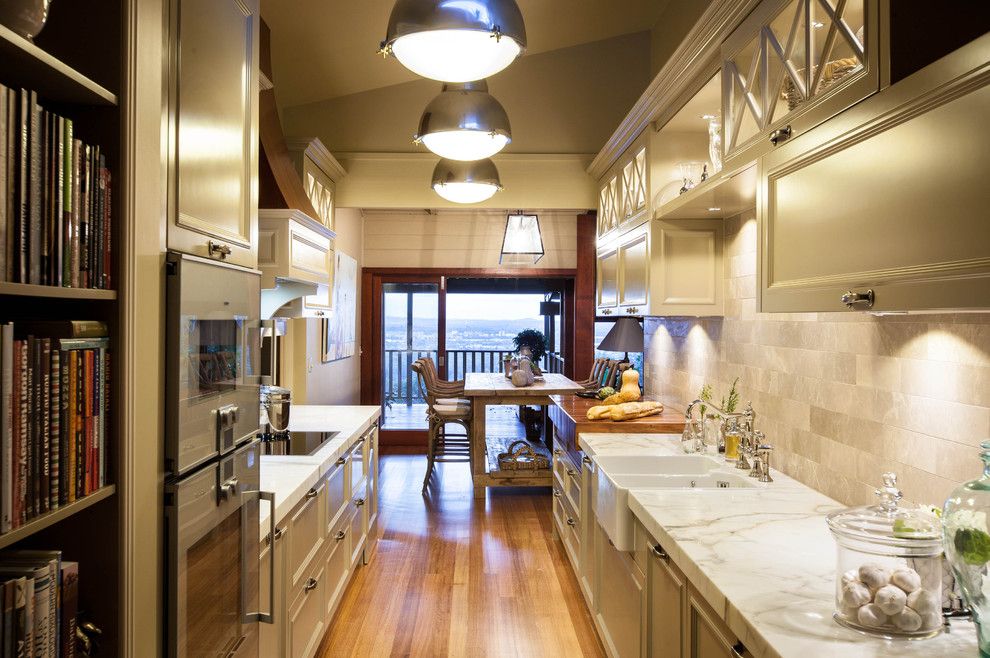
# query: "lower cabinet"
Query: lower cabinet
667,592
315,551
619,602
707,636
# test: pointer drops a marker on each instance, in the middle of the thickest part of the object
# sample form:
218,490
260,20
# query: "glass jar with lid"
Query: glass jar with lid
889,567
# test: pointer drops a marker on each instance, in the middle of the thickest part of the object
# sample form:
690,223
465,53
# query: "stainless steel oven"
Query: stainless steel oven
213,360
213,460
212,575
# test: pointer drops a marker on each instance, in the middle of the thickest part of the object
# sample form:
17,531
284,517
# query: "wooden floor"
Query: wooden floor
455,576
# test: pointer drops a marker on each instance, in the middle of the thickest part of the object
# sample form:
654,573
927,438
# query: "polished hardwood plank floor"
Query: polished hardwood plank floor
456,576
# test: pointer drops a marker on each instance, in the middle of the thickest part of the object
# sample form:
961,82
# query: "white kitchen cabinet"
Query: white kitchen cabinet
619,609
371,507
586,570
295,247
706,634
271,636
306,534
608,206
634,271
608,281
890,203
320,172
306,618
213,129
666,600
791,65
338,564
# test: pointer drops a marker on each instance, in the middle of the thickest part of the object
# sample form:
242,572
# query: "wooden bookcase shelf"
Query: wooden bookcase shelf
57,292
27,65
39,523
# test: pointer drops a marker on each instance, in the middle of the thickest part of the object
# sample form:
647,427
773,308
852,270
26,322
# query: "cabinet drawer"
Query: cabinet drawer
338,564
619,602
357,464
307,620
336,491
306,532
357,531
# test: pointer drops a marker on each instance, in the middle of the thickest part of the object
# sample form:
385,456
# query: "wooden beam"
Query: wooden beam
583,317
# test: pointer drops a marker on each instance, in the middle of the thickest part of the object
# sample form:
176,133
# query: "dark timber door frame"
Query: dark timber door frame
372,323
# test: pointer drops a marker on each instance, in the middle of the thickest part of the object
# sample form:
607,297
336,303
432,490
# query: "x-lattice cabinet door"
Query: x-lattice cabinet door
792,65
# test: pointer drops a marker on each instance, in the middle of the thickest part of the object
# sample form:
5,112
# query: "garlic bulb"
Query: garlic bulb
891,599
851,576
856,594
907,620
871,615
931,620
874,576
907,579
924,602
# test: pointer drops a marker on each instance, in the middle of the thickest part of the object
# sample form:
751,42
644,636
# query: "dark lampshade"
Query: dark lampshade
625,336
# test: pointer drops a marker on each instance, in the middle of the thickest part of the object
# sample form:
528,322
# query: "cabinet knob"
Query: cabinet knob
340,535
310,585
279,533
571,522
780,135
586,460
857,300
312,493
607,311
358,502
341,461
572,472
556,493
218,250
659,552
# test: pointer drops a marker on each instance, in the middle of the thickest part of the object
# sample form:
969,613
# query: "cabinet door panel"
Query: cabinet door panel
215,112
608,280
634,272
307,620
666,601
686,272
897,205
619,602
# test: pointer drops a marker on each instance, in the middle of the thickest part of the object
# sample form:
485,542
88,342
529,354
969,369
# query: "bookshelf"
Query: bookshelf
75,64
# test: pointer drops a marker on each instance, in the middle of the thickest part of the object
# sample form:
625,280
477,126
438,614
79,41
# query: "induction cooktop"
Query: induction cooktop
294,443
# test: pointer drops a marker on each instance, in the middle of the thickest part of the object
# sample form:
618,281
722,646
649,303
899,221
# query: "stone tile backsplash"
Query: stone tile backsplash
842,397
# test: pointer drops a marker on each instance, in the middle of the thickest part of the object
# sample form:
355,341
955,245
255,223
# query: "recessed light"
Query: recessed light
713,209
817,25
709,117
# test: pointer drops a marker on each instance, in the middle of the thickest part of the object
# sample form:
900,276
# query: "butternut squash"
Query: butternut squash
629,391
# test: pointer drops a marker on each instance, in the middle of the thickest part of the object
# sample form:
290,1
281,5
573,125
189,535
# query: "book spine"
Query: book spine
46,137
92,380
107,215
81,426
23,185
7,419
73,422
70,607
63,447
34,238
34,413
15,432
7,650
55,428
44,431
4,181
77,159
67,178
105,414
20,620
59,210
12,185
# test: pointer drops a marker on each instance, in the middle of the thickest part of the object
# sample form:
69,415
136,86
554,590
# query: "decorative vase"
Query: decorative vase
715,143
712,438
966,536
25,17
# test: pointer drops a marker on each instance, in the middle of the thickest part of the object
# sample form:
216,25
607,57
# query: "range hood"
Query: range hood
292,240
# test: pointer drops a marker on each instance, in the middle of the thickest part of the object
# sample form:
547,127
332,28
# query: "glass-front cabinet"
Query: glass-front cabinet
624,191
792,65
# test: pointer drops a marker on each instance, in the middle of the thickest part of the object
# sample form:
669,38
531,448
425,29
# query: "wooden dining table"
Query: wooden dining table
486,389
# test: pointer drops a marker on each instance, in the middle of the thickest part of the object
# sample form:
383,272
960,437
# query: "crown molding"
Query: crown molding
318,153
689,67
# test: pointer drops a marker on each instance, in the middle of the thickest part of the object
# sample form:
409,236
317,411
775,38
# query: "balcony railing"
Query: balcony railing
401,386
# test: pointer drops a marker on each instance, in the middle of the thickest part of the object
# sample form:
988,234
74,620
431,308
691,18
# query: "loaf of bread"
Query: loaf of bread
625,410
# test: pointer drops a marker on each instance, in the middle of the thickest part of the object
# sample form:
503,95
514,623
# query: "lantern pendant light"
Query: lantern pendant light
464,122
455,40
466,182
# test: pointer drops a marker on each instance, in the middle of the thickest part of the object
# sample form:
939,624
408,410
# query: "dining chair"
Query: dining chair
443,408
594,379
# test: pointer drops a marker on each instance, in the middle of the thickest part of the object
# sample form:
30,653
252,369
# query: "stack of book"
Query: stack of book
54,385
54,199
40,598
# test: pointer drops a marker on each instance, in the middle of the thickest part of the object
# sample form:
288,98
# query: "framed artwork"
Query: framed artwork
339,341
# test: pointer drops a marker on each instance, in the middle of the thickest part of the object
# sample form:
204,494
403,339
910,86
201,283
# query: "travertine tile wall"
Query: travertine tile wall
843,397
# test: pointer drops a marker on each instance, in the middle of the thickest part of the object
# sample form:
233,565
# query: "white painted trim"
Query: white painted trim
318,153
699,54
298,216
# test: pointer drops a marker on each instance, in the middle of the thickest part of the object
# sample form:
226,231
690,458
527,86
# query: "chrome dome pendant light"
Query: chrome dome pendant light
466,182
464,122
455,40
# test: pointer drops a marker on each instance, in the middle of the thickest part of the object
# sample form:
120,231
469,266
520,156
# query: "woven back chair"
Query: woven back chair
443,408
594,379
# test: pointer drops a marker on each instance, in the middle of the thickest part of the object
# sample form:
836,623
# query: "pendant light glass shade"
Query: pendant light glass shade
464,122
455,40
522,243
466,182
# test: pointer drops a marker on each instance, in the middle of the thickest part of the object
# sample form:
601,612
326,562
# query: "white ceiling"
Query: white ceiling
323,49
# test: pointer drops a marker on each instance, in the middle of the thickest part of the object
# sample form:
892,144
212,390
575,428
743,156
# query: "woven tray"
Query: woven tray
522,457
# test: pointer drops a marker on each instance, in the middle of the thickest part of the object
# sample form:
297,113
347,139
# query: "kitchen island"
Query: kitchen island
485,389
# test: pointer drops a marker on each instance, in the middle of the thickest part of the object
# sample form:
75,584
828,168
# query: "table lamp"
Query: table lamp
626,335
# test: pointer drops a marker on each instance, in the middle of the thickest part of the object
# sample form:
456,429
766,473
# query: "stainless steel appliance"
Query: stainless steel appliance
212,459
276,402
295,443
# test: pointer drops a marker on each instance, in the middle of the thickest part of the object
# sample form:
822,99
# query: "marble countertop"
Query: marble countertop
290,477
764,558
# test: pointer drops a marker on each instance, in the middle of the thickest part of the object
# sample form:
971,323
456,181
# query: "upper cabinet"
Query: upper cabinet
791,65
213,116
624,192
884,207
319,172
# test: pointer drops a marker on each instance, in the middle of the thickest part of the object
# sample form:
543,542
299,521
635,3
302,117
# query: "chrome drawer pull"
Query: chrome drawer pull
556,493
218,250
738,650
572,472
858,299
358,502
586,460
780,135
279,533
310,585
571,522
341,461
312,493
340,535
558,452
660,553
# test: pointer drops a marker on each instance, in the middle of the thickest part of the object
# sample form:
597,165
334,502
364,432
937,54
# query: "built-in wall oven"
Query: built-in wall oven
212,460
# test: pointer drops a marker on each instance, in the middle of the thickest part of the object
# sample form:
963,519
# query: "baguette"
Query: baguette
625,411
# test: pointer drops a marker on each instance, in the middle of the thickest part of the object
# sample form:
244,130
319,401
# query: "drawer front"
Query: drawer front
307,620
338,565
358,466
336,492
357,532
306,533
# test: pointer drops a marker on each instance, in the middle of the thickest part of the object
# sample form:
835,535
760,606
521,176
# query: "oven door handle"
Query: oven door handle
250,617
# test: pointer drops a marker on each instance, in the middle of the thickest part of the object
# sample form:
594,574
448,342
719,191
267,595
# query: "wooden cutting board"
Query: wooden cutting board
569,416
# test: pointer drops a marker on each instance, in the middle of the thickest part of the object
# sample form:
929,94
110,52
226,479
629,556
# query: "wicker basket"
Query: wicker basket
522,457
834,72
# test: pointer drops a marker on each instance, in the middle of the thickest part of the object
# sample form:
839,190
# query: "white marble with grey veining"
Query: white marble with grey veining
763,558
